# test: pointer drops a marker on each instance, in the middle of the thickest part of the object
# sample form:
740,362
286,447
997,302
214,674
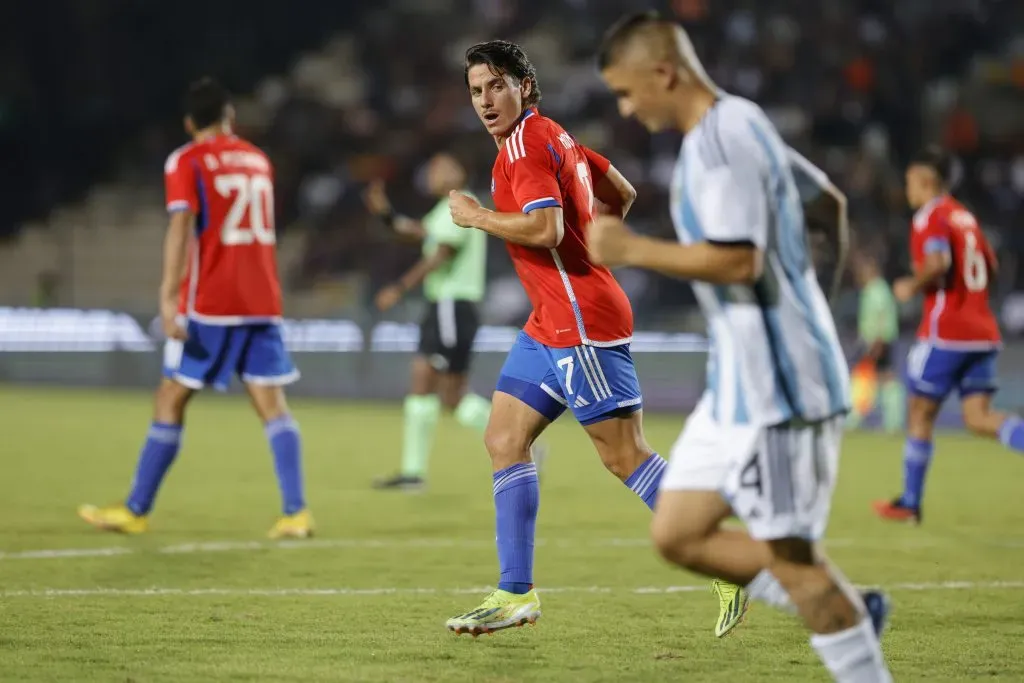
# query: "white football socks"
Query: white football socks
767,589
853,655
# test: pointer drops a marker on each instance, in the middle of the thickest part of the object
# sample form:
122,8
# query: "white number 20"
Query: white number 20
975,267
253,196
568,365
583,172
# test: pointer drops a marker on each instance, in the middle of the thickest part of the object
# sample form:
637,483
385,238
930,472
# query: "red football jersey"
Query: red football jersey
228,184
956,311
574,301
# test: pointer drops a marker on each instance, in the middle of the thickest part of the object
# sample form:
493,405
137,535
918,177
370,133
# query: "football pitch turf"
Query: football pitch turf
204,597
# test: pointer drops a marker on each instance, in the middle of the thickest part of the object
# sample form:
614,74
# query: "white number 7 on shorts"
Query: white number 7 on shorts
567,364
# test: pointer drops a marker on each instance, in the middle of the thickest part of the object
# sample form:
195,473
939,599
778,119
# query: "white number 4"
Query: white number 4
568,365
253,195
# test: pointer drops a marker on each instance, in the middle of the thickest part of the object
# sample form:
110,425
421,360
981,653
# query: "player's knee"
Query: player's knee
506,446
269,401
450,399
920,419
170,401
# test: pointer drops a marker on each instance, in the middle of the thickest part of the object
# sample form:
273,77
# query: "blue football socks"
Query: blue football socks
645,479
158,453
516,500
285,443
1011,434
917,456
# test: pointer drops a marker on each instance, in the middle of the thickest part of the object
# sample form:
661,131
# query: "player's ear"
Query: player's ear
190,125
229,115
676,76
526,88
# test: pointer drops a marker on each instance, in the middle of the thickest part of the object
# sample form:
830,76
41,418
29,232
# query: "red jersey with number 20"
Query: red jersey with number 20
956,311
228,184
574,300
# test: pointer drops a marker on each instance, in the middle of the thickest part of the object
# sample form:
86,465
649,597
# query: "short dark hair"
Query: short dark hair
937,159
621,32
503,58
205,102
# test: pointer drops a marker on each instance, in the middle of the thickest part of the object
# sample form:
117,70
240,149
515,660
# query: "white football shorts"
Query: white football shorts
779,480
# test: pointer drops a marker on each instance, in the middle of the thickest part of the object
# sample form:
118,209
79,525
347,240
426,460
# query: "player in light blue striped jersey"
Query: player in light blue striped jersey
764,442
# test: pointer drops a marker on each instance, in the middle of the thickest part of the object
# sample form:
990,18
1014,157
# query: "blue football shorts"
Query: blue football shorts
935,372
595,383
212,354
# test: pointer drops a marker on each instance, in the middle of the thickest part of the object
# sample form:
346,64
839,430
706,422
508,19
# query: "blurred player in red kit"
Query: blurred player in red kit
220,305
574,350
958,339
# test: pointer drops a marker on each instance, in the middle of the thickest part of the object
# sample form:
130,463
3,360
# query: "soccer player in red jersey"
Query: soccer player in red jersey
574,350
958,339
220,304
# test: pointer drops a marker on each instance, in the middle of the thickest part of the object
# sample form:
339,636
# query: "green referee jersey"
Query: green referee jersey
879,315
462,277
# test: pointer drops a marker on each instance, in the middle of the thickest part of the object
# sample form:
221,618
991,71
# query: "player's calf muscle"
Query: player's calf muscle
620,444
980,418
806,577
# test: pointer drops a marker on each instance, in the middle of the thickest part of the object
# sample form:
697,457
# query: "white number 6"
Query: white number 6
975,268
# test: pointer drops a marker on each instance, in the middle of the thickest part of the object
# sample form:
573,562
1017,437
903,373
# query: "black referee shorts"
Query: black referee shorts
884,362
446,334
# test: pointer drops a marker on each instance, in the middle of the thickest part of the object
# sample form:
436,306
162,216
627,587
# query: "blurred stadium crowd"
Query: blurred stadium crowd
339,93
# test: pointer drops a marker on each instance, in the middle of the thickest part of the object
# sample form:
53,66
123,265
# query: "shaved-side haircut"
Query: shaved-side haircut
662,39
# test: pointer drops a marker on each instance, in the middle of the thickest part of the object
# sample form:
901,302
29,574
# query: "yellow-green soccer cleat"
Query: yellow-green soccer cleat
498,611
299,525
113,518
733,602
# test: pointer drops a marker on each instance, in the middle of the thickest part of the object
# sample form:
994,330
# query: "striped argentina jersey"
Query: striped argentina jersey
774,353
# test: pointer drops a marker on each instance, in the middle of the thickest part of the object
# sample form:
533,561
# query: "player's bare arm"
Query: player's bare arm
932,268
388,297
175,248
376,200
542,228
828,214
614,191
611,243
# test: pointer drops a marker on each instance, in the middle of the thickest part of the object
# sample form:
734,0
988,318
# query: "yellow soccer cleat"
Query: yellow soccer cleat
299,525
113,518
499,610
733,602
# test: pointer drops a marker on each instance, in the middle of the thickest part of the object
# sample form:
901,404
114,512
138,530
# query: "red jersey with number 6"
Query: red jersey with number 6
956,310
574,300
227,183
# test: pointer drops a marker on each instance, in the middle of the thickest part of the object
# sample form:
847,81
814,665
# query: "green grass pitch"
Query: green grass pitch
203,597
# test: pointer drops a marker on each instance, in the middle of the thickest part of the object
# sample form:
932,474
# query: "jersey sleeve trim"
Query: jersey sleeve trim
936,245
542,203
178,206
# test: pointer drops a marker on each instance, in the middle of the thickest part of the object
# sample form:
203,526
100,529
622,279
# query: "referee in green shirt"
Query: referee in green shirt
878,329
453,272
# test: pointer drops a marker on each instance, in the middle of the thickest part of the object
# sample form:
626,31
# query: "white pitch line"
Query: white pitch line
357,592
446,543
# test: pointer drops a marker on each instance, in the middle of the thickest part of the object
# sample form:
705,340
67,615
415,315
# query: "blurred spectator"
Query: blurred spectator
344,92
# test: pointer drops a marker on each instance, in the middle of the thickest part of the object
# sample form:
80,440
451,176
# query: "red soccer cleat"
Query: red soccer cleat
896,511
